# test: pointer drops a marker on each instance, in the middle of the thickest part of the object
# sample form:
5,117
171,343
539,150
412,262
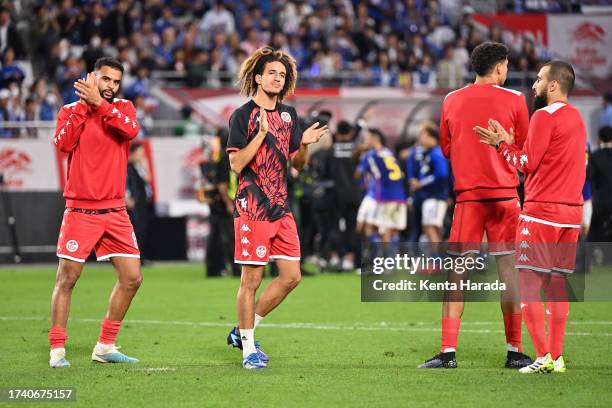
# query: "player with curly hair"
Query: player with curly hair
265,135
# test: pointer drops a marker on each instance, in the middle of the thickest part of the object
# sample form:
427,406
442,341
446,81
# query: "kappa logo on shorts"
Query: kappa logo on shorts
245,228
246,253
523,258
524,245
261,251
72,245
286,117
525,231
245,241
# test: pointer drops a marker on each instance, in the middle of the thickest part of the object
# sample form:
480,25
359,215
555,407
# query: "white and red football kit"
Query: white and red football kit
552,160
97,141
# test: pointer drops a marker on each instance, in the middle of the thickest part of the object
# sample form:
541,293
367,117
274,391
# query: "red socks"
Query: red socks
108,331
534,312
57,337
450,332
558,308
512,326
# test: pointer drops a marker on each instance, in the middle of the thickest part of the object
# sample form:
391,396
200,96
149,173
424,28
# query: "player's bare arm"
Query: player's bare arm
311,135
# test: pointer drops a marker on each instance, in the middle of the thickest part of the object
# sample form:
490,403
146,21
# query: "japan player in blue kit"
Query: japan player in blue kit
386,187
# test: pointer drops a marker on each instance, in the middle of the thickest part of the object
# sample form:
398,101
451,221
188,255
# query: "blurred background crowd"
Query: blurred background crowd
417,44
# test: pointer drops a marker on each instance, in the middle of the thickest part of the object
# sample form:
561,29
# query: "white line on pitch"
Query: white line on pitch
313,326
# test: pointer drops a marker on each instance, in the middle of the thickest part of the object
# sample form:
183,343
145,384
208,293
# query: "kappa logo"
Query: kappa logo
523,258
243,203
72,245
245,241
524,245
245,228
126,120
245,253
261,251
525,231
514,159
286,117
524,160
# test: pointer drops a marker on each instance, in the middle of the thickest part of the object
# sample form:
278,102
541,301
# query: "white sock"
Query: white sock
258,319
248,342
103,347
449,350
512,348
57,353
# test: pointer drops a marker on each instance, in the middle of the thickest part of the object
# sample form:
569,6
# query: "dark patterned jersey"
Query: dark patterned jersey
262,184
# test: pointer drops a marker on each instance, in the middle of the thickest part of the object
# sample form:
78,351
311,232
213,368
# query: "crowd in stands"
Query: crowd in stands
419,44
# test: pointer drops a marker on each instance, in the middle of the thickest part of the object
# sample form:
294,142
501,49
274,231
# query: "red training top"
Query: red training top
97,140
479,172
553,160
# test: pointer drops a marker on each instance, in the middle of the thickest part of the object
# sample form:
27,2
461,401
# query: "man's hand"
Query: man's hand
495,134
313,134
263,121
87,90
415,185
229,207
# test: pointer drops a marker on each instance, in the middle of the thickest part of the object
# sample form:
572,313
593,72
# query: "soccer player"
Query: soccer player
485,186
427,171
387,184
96,132
552,160
264,135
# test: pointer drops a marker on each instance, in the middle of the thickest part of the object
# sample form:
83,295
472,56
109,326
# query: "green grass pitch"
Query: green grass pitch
326,347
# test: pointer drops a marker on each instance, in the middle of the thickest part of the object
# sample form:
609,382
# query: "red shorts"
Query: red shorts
472,219
110,234
259,241
546,246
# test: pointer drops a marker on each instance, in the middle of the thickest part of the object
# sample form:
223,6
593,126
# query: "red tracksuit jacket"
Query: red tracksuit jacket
553,161
97,141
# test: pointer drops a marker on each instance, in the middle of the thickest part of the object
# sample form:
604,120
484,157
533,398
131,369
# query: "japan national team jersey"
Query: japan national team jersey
262,184
387,179
431,169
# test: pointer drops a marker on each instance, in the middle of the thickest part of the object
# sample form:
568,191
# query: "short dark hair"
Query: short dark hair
608,97
432,131
378,134
563,73
344,127
135,146
605,134
108,62
486,55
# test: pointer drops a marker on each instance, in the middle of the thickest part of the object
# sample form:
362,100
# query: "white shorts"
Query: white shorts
433,212
391,215
367,211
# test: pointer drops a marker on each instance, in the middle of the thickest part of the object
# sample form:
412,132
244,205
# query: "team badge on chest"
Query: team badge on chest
286,117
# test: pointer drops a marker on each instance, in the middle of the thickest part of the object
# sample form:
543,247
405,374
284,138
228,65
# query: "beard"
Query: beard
109,100
541,100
